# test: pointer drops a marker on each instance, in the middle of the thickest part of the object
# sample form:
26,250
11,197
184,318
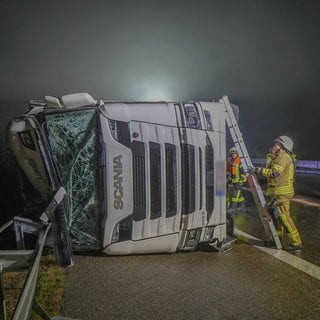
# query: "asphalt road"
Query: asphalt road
244,283
306,215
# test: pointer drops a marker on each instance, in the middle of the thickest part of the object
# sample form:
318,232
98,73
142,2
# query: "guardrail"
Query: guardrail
23,260
27,260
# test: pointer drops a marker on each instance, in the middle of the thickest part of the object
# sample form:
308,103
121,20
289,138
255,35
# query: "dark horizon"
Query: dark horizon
263,54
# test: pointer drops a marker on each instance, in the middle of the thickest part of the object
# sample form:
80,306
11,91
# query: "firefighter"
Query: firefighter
270,181
280,175
270,196
235,179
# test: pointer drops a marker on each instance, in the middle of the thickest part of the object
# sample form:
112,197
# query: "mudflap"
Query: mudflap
224,245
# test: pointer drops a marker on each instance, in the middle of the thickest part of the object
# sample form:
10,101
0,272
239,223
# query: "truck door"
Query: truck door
26,144
30,146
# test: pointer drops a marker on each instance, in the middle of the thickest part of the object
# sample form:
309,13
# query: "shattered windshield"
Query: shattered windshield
73,140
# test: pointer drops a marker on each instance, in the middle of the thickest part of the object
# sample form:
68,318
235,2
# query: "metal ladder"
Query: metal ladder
257,193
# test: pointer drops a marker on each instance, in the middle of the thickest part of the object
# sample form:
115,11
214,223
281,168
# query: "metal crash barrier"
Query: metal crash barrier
23,259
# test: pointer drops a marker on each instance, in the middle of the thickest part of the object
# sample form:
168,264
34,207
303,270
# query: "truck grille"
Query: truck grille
171,180
200,175
155,180
123,133
139,175
187,178
209,179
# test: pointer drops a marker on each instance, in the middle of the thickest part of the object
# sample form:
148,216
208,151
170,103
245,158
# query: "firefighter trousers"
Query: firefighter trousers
235,197
284,222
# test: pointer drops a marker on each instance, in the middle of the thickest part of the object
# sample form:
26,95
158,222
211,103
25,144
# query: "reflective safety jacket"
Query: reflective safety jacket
281,173
235,171
270,181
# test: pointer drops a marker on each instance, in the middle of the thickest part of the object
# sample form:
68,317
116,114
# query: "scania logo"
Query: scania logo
117,182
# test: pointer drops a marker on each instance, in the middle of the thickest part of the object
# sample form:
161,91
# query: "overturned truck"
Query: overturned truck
140,177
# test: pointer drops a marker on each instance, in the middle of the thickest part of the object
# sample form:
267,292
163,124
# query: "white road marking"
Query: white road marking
282,255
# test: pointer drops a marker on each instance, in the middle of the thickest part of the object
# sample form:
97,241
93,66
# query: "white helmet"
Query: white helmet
233,150
286,142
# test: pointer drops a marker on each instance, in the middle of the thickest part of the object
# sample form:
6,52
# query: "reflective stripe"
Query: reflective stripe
265,172
288,223
284,190
237,197
236,171
278,168
281,174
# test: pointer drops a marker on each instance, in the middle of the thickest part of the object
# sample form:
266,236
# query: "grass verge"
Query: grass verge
49,289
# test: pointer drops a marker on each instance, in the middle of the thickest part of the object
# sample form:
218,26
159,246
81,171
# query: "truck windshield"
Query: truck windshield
73,140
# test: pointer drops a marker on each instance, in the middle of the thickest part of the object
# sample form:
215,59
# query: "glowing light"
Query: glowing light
156,89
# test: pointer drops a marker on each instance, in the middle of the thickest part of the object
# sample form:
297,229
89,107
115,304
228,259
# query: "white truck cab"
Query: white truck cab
141,177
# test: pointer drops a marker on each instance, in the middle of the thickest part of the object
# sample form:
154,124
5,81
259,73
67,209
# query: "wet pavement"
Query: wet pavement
243,283
305,214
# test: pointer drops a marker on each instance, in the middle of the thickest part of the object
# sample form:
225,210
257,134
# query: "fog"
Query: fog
263,54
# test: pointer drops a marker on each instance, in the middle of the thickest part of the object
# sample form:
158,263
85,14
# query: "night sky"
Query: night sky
265,55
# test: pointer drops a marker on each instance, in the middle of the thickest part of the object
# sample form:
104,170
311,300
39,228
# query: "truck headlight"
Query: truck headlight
208,234
116,233
192,238
122,230
114,129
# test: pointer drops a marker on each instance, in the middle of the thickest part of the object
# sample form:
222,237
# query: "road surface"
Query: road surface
248,282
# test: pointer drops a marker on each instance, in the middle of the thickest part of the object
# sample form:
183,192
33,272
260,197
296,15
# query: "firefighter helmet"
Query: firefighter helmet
286,142
233,150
